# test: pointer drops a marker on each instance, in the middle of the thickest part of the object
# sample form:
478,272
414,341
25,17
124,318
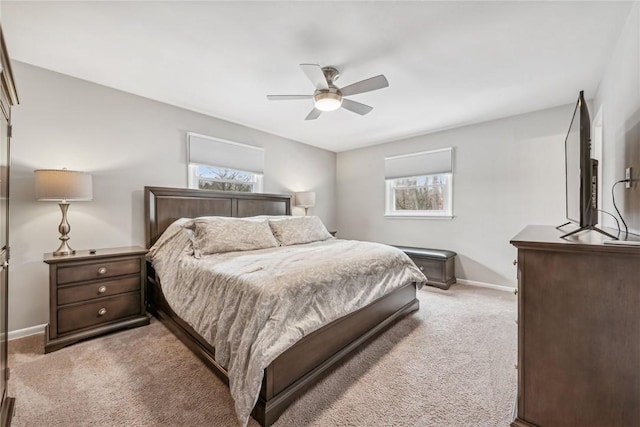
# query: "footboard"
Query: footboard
302,365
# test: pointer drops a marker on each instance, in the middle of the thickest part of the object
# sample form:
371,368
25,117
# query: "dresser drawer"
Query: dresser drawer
97,270
98,312
102,288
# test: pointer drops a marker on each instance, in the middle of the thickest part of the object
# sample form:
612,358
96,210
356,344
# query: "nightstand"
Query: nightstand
94,293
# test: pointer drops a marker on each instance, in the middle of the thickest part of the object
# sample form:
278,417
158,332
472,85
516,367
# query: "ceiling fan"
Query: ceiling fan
328,97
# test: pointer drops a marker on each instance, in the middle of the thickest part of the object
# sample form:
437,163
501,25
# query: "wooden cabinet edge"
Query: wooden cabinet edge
521,423
8,407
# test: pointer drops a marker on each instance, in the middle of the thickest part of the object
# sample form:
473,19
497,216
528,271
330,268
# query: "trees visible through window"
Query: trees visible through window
420,193
223,179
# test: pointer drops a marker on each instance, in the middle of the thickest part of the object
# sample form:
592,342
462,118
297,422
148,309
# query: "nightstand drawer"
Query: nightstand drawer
97,270
97,312
98,289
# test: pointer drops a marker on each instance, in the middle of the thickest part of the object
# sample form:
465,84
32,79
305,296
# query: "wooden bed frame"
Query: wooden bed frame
302,365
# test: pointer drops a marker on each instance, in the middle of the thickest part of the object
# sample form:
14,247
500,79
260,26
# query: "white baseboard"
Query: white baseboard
485,285
21,333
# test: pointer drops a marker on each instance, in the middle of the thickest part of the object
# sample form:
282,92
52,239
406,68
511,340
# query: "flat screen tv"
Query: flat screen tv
581,172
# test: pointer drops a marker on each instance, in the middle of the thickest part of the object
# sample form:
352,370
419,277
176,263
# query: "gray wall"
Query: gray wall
125,142
619,98
507,173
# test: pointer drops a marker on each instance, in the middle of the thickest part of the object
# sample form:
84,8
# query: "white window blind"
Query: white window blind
417,164
205,150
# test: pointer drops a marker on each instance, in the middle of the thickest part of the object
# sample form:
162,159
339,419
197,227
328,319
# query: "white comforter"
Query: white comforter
252,306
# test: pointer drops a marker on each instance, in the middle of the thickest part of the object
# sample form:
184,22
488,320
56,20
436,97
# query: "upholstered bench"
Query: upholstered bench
437,264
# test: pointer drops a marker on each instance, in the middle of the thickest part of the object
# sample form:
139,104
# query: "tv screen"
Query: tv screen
581,178
581,169
581,173
572,164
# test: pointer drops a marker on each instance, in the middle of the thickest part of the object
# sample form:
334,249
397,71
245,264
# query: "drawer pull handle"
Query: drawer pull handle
102,270
102,289
515,291
102,311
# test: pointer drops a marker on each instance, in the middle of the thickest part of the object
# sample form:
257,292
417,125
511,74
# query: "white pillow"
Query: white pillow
296,230
213,235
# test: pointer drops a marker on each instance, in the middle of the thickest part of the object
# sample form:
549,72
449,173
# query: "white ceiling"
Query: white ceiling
448,63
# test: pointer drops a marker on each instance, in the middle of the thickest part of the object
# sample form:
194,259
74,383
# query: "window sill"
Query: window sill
417,216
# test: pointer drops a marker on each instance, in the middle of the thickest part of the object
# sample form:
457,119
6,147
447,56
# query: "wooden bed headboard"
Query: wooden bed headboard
162,206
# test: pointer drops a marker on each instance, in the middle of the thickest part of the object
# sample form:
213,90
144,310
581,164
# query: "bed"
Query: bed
302,364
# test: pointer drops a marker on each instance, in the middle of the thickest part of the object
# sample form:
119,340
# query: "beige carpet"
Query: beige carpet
449,364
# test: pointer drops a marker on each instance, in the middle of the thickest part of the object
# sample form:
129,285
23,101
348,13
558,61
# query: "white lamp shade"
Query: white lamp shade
305,199
63,185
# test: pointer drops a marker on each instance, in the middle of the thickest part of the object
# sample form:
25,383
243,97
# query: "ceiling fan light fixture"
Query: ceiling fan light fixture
328,96
327,101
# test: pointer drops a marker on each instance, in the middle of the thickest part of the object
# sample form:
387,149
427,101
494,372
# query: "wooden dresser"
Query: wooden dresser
8,98
94,293
578,330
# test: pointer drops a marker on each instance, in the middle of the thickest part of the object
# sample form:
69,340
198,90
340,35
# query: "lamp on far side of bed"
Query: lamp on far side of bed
306,200
63,186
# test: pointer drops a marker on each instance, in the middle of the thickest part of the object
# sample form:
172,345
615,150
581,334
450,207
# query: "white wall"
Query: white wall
619,97
125,142
508,173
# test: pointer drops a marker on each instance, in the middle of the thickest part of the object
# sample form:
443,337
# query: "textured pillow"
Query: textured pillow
299,229
212,235
176,238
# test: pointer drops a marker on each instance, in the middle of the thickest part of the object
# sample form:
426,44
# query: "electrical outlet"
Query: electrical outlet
627,176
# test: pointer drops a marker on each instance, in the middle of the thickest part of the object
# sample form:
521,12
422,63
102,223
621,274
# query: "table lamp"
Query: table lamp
63,186
305,199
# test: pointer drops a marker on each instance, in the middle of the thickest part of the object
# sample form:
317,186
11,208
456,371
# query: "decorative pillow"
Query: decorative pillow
212,235
299,229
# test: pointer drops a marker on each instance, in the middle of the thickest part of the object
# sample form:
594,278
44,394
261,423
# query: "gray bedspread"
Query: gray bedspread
252,306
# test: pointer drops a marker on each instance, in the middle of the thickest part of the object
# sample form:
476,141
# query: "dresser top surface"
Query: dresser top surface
548,236
84,255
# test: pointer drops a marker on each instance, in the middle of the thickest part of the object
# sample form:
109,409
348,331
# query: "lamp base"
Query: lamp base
64,228
64,249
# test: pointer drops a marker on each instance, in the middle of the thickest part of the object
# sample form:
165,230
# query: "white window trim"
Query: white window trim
390,213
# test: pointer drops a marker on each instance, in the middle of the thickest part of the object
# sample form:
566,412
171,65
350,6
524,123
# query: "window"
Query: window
420,184
216,164
214,178
419,195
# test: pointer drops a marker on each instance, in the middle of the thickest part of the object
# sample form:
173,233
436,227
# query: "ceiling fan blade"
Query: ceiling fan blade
315,74
374,83
287,97
356,107
314,114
